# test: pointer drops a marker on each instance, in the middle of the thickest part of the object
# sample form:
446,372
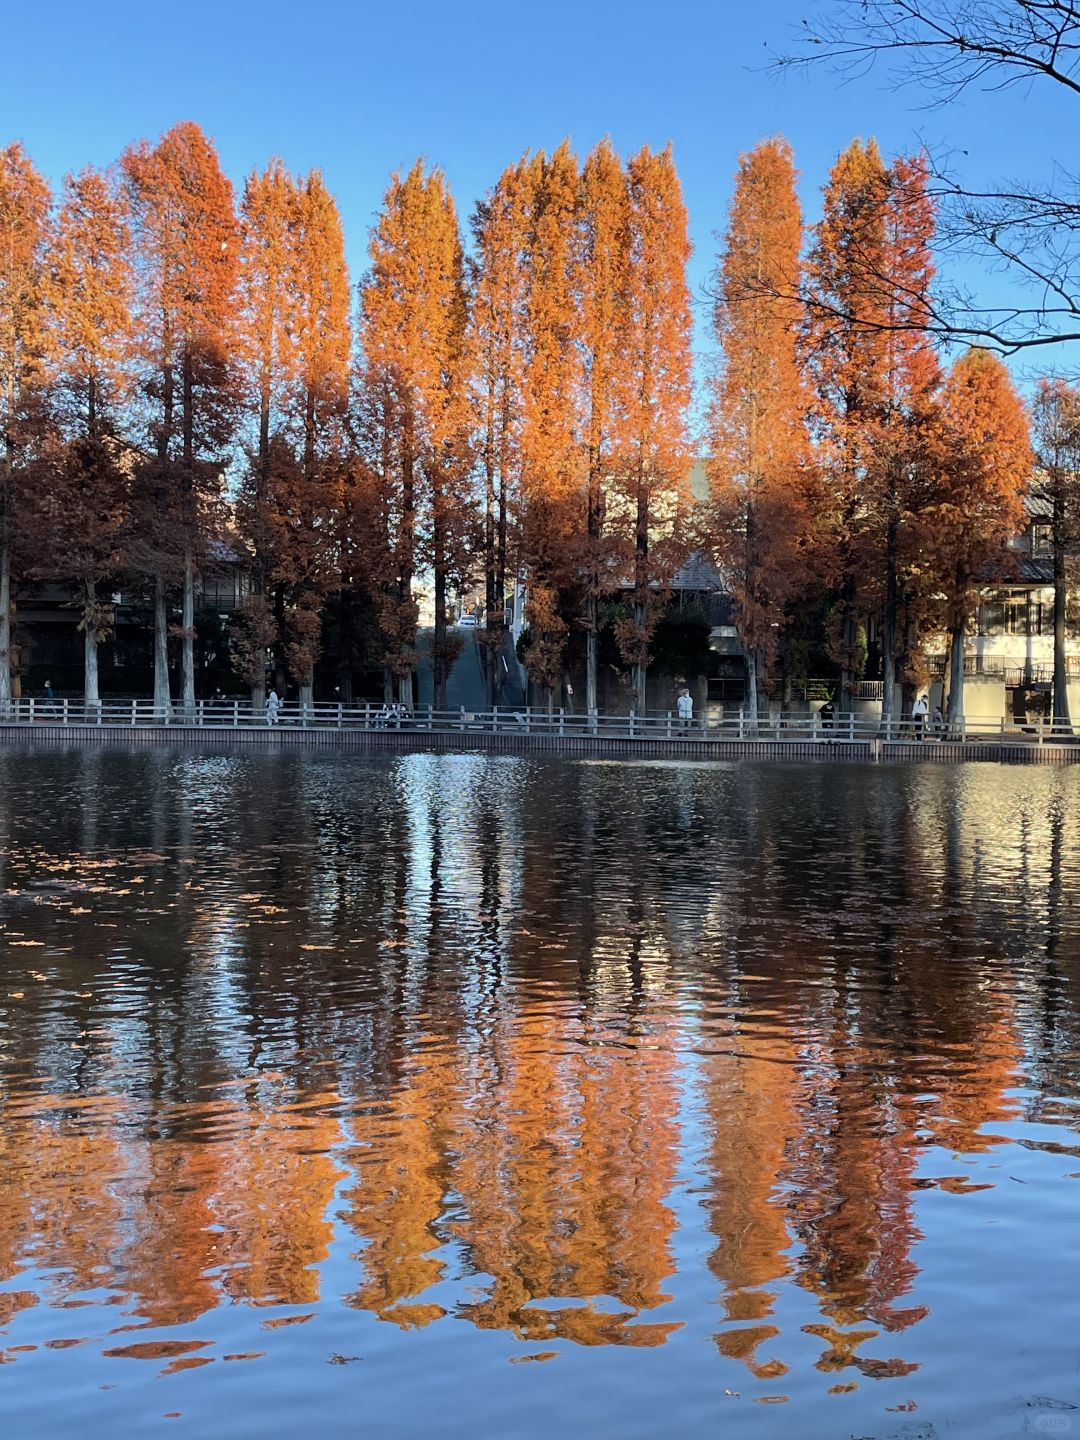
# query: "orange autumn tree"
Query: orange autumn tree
983,467
264,350
900,470
846,347
759,439
85,509
307,497
652,449
552,482
413,337
186,255
500,226
24,232
603,273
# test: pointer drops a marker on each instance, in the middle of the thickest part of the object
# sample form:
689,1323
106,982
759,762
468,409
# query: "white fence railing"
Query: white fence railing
652,725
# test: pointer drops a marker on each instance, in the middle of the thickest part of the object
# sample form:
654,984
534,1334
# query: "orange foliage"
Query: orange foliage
760,443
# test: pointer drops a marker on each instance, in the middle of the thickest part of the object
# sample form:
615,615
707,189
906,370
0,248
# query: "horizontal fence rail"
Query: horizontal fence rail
801,727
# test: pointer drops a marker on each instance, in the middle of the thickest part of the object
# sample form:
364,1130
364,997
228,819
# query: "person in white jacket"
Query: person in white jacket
685,705
273,708
919,712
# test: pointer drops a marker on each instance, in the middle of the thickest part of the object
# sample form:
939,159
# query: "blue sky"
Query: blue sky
360,89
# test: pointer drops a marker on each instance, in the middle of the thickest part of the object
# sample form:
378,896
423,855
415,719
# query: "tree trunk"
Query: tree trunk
388,685
438,650
5,606
1061,715
307,697
492,650
956,674
91,695
161,649
258,699
187,660
591,648
752,689
888,628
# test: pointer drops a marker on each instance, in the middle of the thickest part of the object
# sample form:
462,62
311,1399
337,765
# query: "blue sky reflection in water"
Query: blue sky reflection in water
502,1097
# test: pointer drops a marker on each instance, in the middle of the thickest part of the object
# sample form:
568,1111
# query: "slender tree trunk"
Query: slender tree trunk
187,662
956,673
752,689
438,656
5,592
1061,676
492,628
162,697
187,653
500,581
592,599
91,695
408,522
307,695
388,685
888,628
641,581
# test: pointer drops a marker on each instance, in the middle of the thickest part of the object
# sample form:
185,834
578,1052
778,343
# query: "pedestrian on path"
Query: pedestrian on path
273,708
919,712
685,705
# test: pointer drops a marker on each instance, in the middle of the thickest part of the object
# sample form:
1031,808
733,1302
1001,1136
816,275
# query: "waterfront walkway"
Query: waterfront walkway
524,730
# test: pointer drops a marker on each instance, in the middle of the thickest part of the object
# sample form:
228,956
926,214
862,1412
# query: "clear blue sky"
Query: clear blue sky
360,89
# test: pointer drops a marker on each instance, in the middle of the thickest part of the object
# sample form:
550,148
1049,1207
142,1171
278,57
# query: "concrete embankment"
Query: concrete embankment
518,742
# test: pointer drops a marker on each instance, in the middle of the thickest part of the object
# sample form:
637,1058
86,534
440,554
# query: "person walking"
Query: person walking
273,708
685,704
919,712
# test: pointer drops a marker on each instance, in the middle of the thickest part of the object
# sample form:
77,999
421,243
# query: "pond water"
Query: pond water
487,1097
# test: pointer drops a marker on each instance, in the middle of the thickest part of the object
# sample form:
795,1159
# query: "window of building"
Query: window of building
1042,541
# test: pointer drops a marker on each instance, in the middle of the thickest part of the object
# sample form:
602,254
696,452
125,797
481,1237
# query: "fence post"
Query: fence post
65,710
740,724
1042,723
31,711
495,719
562,721
134,712
668,714
632,718
528,719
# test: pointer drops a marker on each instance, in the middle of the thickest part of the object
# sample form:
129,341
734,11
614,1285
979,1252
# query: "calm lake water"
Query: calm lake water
490,1097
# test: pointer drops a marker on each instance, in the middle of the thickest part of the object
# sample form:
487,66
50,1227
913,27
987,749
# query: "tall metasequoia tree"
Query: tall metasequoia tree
551,480
24,232
653,446
1056,425
264,344
760,445
983,469
500,227
901,435
187,257
846,350
603,274
86,504
315,405
413,336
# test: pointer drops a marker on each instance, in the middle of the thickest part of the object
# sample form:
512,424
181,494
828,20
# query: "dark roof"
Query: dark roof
1038,506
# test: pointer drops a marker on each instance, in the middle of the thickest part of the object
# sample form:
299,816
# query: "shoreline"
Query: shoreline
509,742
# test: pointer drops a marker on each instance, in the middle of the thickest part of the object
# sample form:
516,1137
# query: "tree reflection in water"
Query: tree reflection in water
446,1039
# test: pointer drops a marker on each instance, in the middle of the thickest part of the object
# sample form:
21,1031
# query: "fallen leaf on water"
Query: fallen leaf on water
246,1355
904,1409
343,1359
286,1320
540,1355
